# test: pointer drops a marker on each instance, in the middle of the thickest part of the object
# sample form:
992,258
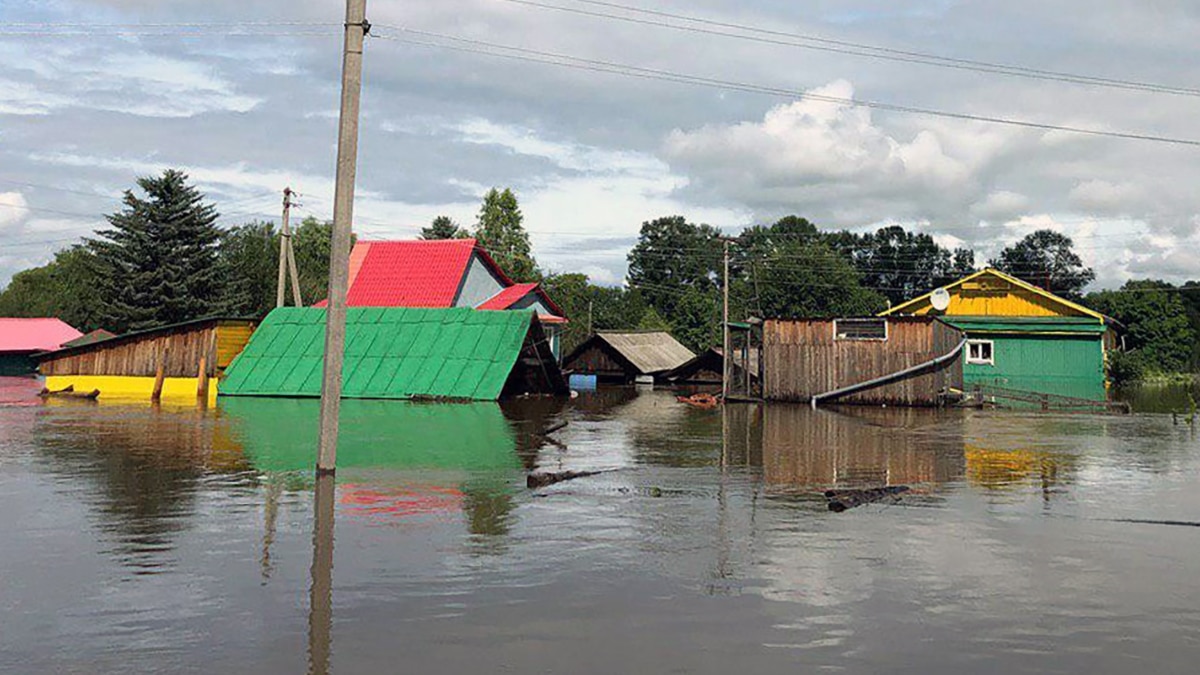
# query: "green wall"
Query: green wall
1066,365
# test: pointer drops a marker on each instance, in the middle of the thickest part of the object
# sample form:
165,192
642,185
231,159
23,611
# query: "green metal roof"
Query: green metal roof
391,352
1010,324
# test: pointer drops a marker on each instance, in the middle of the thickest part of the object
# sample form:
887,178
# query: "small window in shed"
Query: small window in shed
981,352
860,329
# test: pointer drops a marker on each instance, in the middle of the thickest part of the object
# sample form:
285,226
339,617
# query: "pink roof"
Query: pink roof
34,335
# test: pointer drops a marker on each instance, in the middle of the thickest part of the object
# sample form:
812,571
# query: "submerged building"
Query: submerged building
443,273
21,340
181,360
400,353
989,336
1021,337
627,356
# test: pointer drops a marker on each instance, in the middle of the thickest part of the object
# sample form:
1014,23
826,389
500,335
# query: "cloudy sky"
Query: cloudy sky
250,107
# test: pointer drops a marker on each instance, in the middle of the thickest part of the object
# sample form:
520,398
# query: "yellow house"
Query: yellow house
1020,336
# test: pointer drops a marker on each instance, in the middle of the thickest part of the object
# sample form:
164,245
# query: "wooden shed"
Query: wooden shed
624,356
127,365
920,358
706,368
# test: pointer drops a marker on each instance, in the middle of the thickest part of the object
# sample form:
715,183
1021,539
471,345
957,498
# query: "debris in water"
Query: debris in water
537,480
840,500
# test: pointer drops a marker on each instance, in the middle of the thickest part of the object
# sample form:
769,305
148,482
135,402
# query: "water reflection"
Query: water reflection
320,597
806,450
708,549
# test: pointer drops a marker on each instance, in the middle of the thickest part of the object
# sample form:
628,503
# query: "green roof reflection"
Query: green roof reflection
279,434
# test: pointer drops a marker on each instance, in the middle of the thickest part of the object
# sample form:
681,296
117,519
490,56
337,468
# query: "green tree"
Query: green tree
66,288
443,227
248,261
671,257
500,232
900,264
591,307
652,320
311,242
157,261
1047,259
1155,318
787,271
696,321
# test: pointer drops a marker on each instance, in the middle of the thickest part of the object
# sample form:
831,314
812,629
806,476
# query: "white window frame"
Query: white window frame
886,331
979,361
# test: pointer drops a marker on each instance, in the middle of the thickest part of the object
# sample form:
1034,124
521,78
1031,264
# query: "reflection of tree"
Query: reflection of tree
145,465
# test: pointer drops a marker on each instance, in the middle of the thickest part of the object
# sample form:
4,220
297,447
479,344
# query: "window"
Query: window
981,352
860,329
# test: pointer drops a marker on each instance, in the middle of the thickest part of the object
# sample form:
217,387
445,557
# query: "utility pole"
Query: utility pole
725,353
343,214
589,330
287,257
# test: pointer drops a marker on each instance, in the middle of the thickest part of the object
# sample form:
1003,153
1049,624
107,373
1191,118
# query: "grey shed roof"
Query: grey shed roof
649,351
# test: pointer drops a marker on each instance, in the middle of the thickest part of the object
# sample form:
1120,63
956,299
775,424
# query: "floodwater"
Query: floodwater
176,539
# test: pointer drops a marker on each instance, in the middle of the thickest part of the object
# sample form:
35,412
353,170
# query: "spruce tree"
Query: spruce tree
443,227
500,232
158,258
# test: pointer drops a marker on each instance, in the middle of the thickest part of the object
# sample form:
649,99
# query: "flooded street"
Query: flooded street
184,540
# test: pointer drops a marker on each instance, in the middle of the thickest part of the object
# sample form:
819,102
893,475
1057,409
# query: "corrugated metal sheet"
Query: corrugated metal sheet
32,335
649,352
391,352
985,324
801,359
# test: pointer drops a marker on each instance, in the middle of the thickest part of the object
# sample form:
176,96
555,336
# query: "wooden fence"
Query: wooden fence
803,358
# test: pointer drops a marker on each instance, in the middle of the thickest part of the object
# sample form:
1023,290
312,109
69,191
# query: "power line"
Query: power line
815,42
579,63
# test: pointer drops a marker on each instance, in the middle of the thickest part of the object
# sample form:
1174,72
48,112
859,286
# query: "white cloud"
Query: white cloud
12,210
831,161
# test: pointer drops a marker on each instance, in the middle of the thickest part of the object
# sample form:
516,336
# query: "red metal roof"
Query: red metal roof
34,335
411,273
507,297
419,273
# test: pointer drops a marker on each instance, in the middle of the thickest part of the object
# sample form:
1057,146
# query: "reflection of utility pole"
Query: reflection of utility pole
270,516
725,355
320,596
343,213
287,257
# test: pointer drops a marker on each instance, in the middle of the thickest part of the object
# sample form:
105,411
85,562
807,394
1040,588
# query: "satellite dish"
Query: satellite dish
940,299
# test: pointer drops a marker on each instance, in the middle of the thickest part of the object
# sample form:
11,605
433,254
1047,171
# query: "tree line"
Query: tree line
163,259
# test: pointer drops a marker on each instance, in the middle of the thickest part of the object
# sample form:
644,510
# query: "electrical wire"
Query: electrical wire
552,58
819,43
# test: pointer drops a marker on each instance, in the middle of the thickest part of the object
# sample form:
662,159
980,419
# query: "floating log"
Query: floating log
69,392
840,500
537,480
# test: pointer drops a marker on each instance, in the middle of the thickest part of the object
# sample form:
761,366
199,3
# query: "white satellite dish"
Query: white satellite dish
940,299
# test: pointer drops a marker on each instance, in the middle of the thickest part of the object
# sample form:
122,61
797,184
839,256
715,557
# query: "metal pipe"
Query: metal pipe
870,384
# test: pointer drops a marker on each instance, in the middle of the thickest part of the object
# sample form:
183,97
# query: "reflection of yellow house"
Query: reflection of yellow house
1000,469
125,366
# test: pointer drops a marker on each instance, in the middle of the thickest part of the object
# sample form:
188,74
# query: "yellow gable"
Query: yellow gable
993,293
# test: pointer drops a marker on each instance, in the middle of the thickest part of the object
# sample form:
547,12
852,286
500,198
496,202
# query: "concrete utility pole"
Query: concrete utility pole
343,214
287,257
725,354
